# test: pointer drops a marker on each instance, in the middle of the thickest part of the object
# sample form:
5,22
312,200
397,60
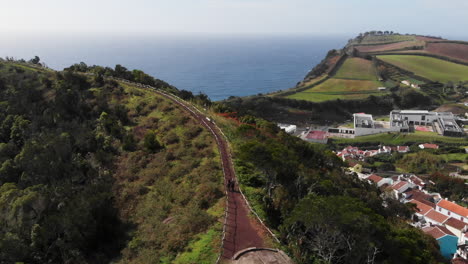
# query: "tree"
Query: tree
151,143
35,60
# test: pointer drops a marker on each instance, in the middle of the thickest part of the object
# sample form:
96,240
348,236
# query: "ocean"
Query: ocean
219,66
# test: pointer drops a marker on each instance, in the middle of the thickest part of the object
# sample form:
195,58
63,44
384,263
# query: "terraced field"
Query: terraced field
430,68
453,50
357,69
333,89
356,79
391,46
379,39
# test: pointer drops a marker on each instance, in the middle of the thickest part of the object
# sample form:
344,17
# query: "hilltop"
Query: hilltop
95,169
375,72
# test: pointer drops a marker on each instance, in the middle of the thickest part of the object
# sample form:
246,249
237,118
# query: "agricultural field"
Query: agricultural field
357,69
339,89
430,68
377,39
356,79
422,38
452,50
389,47
455,108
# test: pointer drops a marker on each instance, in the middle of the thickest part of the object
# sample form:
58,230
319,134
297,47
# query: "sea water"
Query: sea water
217,65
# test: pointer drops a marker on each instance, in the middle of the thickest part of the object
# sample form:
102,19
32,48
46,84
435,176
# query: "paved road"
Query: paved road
241,230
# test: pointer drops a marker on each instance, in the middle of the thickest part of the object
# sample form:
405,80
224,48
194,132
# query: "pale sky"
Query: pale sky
434,17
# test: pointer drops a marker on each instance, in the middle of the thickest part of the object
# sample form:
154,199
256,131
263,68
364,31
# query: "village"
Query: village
435,215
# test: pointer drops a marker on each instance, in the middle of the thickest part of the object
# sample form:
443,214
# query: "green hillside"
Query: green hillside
430,68
96,171
355,79
302,193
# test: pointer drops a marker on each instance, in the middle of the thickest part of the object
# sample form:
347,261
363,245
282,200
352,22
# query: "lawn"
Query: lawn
357,69
430,68
400,139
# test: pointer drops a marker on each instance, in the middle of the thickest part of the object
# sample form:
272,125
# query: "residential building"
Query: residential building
453,210
457,227
435,218
428,146
446,239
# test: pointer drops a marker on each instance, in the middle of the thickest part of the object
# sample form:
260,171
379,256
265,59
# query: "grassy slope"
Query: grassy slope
356,79
431,68
399,139
377,39
357,69
169,184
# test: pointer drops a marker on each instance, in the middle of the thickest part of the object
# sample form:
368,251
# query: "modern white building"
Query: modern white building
364,124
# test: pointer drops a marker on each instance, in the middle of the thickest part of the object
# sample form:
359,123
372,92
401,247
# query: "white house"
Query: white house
435,218
453,210
457,227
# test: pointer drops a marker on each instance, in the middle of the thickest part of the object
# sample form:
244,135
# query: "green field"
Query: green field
356,79
382,39
399,139
430,68
357,69
333,89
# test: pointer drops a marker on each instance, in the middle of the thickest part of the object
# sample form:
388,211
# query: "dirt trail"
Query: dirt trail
241,231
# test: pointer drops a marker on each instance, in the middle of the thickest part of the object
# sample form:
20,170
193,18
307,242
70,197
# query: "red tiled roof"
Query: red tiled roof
430,146
402,148
455,223
375,178
436,216
437,231
398,185
417,181
453,207
421,207
320,135
418,195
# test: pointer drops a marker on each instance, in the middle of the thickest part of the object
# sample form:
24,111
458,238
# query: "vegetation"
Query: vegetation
357,69
94,171
450,187
430,68
420,162
321,214
400,139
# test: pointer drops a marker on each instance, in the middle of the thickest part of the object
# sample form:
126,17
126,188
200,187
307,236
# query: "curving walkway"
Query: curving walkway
240,230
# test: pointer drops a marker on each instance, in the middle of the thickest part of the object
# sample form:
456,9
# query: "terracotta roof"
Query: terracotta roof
402,148
416,180
430,146
320,135
420,196
375,178
398,185
455,223
421,207
436,216
437,231
453,207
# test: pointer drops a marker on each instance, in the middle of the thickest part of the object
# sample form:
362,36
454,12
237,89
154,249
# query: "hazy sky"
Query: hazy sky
436,17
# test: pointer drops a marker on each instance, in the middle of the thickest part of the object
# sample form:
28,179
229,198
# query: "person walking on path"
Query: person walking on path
229,185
